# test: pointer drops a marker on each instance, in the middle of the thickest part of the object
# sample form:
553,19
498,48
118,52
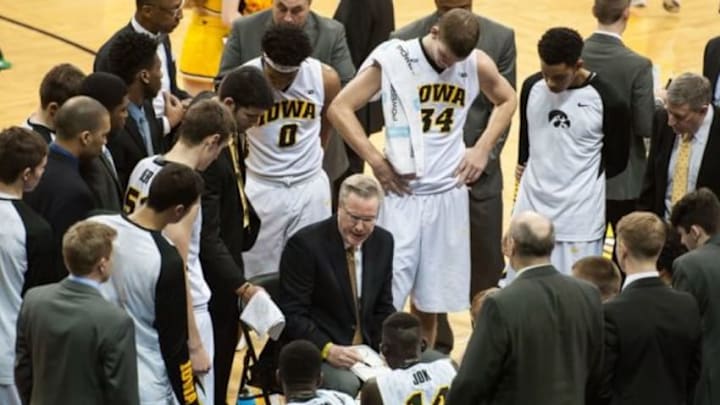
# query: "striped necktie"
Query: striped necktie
350,256
235,155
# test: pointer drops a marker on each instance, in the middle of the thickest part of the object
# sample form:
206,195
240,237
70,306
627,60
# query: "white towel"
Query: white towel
263,316
401,107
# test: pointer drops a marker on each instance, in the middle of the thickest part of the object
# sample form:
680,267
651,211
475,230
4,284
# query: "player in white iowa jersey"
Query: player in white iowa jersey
285,180
203,134
410,382
299,375
573,133
428,216
148,281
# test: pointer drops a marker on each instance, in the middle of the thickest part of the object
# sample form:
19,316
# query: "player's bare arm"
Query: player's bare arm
331,84
341,114
497,89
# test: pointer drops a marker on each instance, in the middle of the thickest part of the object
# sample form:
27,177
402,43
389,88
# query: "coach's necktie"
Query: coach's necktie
144,128
682,166
352,275
235,155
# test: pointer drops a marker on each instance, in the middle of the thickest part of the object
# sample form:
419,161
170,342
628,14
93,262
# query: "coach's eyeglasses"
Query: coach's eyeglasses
357,219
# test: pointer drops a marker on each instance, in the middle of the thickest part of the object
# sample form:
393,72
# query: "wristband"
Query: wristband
326,350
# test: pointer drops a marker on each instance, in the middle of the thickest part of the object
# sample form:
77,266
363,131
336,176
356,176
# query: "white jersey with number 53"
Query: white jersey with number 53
286,141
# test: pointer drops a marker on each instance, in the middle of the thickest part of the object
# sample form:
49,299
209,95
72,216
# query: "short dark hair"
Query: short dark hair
560,45
107,88
609,11
206,118
530,244
642,233
84,244
130,53
459,29
700,207
286,44
672,249
80,113
175,184
60,83
401,334
247,86
20,148
600,271
299,363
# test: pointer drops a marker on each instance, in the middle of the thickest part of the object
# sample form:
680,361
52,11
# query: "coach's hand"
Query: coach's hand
342,356
200,360
472,165
174,110
389,179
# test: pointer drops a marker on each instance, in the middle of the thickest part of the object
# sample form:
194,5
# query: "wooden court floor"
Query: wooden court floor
674,42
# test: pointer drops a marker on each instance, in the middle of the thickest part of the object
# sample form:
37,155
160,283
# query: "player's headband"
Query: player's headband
278,67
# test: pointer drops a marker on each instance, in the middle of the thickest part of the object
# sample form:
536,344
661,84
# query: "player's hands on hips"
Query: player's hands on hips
472,165
200,360
389,179
342,356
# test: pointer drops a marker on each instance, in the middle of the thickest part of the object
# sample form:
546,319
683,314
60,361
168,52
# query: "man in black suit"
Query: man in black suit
537,341
133,59
336,282
72,343
156,19
683,146
711,67
229,222
696,217
62,197
652,332
100,173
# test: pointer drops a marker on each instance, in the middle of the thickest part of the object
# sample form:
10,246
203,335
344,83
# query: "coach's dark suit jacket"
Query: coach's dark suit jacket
74,347
655,183
711,62
652,346
222,241
697,273
630,75
103,182
102,62
61,197
128,148
537,341
315,292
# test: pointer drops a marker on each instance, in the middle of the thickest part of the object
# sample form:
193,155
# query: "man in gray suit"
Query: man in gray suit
327,37
73,346
486,206
696,217
630,76
540,339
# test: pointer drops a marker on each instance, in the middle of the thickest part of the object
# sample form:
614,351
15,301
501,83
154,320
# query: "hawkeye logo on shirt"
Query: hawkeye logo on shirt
289,109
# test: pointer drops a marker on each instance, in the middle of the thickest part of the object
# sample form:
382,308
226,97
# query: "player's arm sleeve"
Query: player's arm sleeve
214,254
119,364
483,361
643,101
23,357
297,277
524,141
616,131
171,322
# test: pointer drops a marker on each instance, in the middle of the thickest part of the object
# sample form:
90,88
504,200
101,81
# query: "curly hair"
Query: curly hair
130,53
286,45
560,45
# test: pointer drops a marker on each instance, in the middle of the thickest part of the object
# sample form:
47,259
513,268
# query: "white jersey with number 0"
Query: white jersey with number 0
286,141
421,384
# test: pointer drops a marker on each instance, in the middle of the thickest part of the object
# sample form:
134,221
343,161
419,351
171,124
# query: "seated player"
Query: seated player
410,382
